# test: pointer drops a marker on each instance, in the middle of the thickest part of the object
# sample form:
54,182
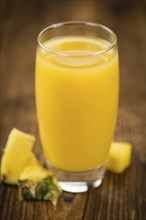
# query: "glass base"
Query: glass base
76,182
78,187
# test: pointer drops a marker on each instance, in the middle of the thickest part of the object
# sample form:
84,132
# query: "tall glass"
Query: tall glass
77,83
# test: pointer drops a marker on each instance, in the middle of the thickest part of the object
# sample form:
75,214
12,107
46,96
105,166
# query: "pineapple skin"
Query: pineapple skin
16,154
37,183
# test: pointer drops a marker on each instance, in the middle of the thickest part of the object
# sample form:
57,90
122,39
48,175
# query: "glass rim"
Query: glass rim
88,23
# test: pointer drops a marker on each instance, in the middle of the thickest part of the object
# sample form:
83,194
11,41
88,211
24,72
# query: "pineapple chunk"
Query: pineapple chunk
16,153
37,183
34,170
119,157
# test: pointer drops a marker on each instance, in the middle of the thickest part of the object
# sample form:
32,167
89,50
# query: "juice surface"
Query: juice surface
76,98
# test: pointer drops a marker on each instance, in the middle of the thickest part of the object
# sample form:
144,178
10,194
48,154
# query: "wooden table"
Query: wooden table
121,197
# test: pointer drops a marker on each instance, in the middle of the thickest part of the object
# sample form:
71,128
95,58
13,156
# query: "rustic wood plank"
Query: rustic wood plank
121,197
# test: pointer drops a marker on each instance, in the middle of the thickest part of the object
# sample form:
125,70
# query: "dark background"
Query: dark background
121,197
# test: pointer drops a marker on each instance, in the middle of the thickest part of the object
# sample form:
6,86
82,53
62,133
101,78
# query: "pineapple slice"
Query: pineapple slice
17,151
38,183
119,157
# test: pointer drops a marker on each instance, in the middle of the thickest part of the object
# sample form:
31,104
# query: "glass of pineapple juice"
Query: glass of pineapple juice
76,85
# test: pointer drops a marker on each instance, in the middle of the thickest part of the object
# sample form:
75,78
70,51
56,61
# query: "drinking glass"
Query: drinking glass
76,85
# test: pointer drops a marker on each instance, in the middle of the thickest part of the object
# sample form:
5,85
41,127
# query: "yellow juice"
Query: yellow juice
76,98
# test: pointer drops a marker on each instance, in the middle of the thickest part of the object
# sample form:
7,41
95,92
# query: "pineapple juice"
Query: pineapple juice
76,98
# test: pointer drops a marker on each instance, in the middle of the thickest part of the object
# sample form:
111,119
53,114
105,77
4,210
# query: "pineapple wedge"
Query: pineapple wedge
16,153
37,183
119,157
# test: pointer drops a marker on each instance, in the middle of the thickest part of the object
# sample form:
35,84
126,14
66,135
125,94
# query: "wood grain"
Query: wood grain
121,197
